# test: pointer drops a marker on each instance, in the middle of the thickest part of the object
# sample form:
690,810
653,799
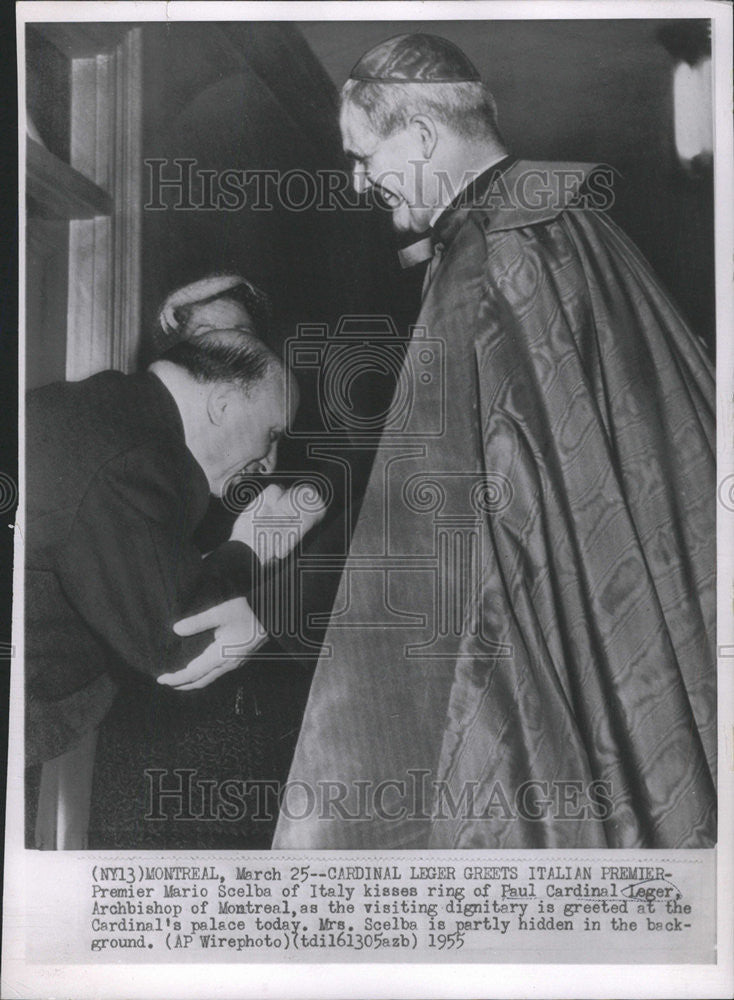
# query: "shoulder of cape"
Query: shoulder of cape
531,192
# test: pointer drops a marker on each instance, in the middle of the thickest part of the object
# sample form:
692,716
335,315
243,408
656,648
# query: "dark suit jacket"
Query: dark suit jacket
113,497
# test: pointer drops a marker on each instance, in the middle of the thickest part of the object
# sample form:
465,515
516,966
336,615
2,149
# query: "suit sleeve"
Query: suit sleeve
129,566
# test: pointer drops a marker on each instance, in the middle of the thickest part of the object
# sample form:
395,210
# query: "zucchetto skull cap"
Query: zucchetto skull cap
415,59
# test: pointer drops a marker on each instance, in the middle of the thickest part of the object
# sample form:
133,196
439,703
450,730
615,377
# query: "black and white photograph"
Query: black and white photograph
372,362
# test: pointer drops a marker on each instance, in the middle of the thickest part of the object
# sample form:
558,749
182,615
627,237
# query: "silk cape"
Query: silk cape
521,653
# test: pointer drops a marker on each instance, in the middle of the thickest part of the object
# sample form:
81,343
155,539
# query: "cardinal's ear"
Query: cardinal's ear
428,133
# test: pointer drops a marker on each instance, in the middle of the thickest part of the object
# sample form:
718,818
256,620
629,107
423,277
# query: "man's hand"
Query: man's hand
276,521
237,634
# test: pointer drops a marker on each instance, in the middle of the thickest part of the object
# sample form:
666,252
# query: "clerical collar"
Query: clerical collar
474,186
469,197
446,221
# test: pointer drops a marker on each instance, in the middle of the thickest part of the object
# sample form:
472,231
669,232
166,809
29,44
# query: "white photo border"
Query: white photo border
408,980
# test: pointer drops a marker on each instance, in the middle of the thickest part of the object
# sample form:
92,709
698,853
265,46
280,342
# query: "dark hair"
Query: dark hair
242,360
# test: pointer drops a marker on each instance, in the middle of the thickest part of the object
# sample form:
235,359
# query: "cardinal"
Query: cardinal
522,650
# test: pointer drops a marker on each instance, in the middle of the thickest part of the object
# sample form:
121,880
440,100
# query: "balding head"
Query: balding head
230,390
226,356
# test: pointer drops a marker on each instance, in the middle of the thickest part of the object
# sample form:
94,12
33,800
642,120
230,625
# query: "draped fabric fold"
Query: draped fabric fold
522,649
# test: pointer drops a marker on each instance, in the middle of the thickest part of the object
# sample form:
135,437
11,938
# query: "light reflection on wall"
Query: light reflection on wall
692,104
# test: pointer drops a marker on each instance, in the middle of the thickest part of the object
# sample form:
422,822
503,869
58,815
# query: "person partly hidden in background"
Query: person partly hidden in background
119,471
563,691
221,300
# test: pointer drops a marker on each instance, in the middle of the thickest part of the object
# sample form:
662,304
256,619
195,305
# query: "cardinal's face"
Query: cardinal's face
395,168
